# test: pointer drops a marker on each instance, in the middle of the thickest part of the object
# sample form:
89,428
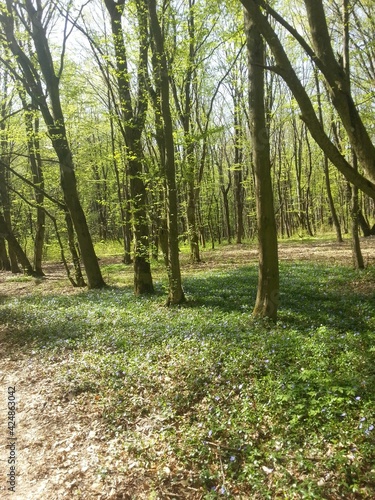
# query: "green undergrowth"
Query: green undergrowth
209,402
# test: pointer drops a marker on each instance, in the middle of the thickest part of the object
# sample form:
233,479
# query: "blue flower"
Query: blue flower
232,458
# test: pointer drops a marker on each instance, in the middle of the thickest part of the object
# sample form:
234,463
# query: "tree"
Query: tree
133,121
5,199
176,293
356,246
341,97
33,146
268,282
7,234
38,74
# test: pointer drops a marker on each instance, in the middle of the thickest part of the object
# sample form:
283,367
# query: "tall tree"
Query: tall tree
339,86
184,107
356,246
41,81
176,294
133,120
5,198
285,69
33,146
268,282
6,233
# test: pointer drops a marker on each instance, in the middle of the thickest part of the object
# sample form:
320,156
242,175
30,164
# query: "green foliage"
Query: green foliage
211,399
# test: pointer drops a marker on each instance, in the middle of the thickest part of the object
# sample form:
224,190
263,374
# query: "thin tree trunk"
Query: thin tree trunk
224,192
327,180
5,203
192,223
5,232
4,174
47,96
33,146
356,246
189,146
176,293
4,259
132,127
121,196
237,171
266,304
285,69
73,250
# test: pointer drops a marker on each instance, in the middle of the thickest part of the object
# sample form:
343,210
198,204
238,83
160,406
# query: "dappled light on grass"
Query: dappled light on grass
207,401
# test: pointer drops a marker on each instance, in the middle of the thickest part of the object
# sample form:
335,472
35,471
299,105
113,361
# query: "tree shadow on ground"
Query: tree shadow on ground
309,295
312,296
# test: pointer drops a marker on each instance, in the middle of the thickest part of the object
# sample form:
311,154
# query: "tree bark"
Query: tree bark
356,245
224,191
284,68
5,200
54,118
6,233
4,259
366,229
327,180
184,107
176,293
33,146
133,124
357,256
238,165
339,85
266,304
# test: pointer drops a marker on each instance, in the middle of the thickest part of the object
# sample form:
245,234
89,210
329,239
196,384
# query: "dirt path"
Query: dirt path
61,447
56,445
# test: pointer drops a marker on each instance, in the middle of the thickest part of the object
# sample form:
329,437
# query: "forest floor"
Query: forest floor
63,447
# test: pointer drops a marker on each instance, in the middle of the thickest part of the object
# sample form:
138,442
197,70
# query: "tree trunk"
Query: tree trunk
5,201
132,127
186,119
4,259
73,251
356,246
192,223
51,110
331,203
327,180
33,146
176,293
364,225
6,233
224,192
284,68
268,281
358,261
5,204
122,196
339,85
237,170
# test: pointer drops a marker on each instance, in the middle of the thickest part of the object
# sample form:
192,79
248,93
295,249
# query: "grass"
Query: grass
209,402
